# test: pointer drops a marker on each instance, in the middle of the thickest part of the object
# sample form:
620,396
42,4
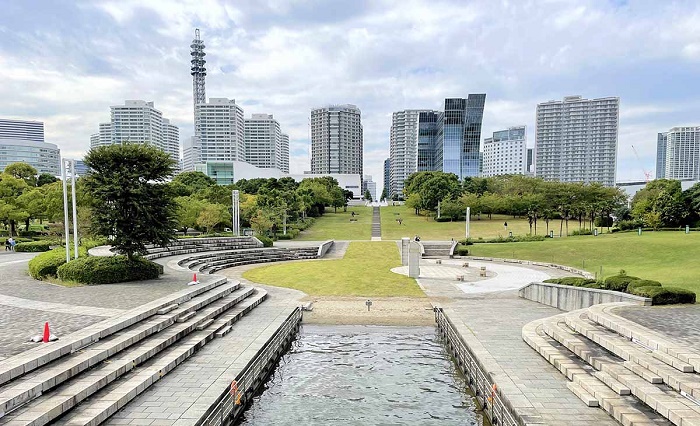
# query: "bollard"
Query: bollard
369,304
460,277
465,265
482,273
438,262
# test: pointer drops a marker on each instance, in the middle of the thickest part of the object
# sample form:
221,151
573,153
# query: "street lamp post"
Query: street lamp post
468,217
235,213
65,207
75,210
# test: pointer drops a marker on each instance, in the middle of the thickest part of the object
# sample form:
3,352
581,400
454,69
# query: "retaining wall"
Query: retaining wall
323,248
234,400
569,298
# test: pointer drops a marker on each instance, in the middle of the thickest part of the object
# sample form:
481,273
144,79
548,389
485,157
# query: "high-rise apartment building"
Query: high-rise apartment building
576,140
403,148
505,153
387,177
529,165
336,140
138,122
220,130
368,185
678,154
23,141
427,135
265,144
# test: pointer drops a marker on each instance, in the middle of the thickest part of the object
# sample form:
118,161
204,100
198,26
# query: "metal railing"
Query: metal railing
239,394
494,405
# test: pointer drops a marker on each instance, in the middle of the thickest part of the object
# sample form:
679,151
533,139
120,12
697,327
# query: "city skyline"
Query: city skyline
64,63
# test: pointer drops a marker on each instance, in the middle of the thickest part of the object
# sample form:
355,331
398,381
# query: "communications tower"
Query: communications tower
198,70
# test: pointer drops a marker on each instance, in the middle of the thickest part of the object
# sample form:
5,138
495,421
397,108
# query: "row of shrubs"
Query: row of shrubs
500,239
658,294
34,246
108,270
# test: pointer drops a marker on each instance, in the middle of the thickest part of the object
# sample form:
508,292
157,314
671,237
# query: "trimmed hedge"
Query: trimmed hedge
461,250
46,264
500,239
267,241
665,295
642,283
619,282
573,281
107,270
34,246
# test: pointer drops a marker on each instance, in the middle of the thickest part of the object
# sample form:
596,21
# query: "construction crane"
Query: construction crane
647,174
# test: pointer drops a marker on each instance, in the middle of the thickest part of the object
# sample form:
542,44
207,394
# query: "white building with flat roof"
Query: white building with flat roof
265,144
576,140
505,153
403,149
139,122
678,153
23,142
220,129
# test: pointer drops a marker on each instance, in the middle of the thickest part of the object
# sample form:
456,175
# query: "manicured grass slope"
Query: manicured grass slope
364,271
337,226
428,229
668,257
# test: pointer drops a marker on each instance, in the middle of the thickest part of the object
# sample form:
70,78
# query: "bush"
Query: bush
34,246
619,282
443,219
665,295
626,225
572,281
107,270
642,283
602,222
581,232
46,264
461,250
267,241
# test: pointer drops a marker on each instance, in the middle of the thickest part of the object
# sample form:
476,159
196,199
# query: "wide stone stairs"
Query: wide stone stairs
376,224
210,263
89,375
436,248
608,367
197,245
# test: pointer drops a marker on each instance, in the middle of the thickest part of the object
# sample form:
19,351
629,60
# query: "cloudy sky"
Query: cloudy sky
65,62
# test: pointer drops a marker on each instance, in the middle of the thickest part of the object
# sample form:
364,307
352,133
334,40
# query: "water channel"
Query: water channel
364,375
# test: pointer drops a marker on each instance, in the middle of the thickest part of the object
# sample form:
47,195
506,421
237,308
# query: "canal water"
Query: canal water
364,375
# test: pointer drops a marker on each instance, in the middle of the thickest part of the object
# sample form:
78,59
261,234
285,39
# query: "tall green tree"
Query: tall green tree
22,171
132,203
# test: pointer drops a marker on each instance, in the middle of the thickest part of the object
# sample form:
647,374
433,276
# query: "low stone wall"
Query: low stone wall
569,298
542,264
323,248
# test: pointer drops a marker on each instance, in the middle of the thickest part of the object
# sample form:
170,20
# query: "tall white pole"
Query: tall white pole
236,210
65,208
75,210
233,213
468,216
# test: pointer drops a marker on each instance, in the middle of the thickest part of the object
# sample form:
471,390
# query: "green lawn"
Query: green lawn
428,229
364,271
668,257
337,226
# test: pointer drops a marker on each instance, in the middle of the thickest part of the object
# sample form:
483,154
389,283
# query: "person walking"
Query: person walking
8,245
13,243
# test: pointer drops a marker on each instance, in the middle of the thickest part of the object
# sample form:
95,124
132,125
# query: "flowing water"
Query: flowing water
364,375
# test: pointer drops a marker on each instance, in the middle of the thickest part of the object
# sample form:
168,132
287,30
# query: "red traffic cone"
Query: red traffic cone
47,333
194,278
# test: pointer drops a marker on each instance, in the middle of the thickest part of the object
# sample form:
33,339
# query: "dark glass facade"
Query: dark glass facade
449,141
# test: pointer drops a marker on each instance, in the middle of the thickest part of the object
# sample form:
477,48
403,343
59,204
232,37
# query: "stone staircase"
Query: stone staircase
87,376
210,263
633,380
376,224
198,245
436,248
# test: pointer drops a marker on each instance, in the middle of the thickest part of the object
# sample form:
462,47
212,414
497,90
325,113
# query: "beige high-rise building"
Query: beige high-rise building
265,144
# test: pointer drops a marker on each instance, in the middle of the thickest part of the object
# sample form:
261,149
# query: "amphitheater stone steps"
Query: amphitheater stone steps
634,384
436,248
86,377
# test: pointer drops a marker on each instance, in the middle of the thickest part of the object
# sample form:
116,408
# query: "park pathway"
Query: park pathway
376,225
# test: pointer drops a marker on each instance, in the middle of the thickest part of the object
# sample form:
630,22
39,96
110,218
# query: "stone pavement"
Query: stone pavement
680,322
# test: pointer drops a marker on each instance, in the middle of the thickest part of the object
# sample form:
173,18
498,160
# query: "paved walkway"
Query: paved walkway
490,319
681,323
376,224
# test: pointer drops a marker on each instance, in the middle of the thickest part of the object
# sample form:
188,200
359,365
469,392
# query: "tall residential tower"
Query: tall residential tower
265,144
679,149
336,140
576,140
403,149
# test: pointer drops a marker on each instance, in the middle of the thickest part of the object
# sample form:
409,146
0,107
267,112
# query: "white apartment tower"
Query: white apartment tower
220,130
23,141
336,140
505,153
680,153
576,140
265,144
403,148
138,122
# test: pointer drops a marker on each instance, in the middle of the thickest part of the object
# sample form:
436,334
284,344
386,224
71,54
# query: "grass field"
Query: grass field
337,226
364,271
428,229
668,257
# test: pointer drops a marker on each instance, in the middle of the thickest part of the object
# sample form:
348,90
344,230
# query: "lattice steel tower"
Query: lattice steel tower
199,71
